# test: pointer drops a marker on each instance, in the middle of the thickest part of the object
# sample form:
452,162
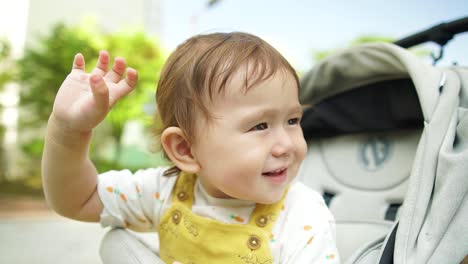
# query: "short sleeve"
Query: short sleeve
134,200
309,234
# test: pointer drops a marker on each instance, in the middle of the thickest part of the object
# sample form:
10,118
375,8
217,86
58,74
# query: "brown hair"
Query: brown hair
200,68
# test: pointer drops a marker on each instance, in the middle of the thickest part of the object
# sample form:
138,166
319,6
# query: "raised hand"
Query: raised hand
84,99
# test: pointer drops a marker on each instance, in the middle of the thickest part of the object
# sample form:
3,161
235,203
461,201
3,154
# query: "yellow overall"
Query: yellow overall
193,239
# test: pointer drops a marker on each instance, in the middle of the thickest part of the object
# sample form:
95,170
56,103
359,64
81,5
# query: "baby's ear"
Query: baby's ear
178,149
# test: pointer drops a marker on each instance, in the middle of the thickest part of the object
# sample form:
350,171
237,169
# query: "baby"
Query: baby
229,121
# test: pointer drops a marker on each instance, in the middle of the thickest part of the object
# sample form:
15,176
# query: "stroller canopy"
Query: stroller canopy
381,86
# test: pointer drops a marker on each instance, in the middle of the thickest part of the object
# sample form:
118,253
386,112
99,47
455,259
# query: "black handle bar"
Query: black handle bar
440,34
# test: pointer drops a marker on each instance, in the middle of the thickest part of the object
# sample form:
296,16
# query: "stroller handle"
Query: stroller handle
440,34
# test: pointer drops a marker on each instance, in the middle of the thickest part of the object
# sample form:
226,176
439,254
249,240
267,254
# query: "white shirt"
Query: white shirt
303,233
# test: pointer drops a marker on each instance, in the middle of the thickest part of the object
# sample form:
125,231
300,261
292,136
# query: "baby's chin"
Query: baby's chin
259,200
271,199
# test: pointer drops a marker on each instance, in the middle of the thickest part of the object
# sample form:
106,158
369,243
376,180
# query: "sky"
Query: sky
297,28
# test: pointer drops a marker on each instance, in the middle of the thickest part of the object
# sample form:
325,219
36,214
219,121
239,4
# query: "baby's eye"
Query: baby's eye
261,126
293,121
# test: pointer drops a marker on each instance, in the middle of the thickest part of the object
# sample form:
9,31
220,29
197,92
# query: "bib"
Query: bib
192,239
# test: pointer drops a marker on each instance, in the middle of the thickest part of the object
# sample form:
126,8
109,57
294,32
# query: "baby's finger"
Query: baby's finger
115,75
78,62
100,92
125,86
102,64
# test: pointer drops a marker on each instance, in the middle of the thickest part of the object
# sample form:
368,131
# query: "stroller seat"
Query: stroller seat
363,178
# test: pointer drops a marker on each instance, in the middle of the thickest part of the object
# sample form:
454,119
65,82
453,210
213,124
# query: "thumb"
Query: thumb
100,92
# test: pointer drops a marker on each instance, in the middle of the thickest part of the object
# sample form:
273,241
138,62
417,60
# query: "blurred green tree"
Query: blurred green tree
7,69
7,72
142,54
45,65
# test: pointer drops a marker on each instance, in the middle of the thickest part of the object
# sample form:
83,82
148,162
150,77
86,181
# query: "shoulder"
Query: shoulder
306,230
147,174
150,179
159,171
301,196
306,207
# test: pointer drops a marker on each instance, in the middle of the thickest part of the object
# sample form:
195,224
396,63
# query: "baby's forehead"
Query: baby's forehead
237,93
247,77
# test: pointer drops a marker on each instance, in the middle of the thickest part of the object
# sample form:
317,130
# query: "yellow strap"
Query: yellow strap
184,189
265,215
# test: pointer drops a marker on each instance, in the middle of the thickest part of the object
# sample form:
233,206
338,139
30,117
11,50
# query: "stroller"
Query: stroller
388,149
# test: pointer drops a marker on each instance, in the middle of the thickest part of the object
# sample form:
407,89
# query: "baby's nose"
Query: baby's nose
284,144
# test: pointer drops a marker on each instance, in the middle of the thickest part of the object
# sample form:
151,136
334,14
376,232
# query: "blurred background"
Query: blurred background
38,40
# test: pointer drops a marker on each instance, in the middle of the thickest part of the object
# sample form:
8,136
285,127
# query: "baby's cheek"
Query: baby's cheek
255,154
301,148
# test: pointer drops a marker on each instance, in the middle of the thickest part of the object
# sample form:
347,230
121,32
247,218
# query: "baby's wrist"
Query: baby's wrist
63,135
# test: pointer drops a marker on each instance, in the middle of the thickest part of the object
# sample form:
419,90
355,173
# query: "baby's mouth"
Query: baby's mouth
275,173
278,176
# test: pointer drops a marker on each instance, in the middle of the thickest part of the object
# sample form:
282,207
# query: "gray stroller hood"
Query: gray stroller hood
433,220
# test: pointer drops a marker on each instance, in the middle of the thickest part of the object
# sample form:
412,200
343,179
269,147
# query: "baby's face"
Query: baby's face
253,147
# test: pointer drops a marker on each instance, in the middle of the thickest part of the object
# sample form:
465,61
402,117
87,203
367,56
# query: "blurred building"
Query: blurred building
22,21
110,15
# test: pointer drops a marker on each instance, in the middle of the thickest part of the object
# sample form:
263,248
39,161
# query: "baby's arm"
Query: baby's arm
82,102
